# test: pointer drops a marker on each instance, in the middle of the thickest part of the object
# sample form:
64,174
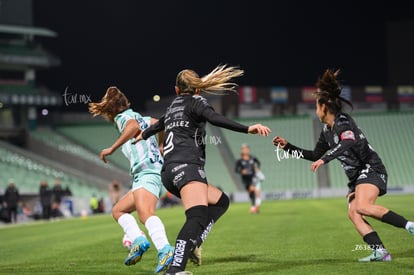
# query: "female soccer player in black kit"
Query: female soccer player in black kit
246,166
343,140
184,156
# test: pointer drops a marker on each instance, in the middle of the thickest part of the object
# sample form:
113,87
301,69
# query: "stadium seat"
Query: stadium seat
27,174
96,137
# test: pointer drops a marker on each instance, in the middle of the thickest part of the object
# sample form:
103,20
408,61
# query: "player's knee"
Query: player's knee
351,211
116,212
352,214
198,215
363,209
223,202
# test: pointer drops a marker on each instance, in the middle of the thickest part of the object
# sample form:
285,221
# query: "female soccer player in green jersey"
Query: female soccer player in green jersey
146,162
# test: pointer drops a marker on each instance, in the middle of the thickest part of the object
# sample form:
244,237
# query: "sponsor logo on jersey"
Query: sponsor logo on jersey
362,176
335,138
178,115
348,135
178,177
200,98
177,100
172,110
334,150
178,167
202,173
347,167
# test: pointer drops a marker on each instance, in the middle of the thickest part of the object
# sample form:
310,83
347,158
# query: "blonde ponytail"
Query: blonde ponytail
216,82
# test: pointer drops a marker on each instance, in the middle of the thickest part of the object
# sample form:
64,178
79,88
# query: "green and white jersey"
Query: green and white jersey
145,155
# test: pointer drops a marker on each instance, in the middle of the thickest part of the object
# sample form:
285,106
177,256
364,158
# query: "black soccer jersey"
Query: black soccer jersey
185,133
347,143
248,165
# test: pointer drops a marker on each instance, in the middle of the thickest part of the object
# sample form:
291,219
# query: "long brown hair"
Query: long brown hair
111,104
216,82
329,92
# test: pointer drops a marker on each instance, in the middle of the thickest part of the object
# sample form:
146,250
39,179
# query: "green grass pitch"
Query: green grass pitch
287,237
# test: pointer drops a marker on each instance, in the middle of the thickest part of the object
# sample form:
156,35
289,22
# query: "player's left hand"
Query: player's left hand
279,141
104,153
316,165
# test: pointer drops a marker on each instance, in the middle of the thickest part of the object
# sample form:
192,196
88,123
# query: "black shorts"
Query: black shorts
372,177
175,175
247,181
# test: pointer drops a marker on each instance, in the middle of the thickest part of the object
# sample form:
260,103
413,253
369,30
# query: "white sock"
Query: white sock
408,225
156,231
258,201
130,226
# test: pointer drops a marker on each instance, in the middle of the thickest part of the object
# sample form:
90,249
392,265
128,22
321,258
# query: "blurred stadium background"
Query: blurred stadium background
40,141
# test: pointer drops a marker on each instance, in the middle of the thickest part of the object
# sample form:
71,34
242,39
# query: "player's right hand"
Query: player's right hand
138,138
279,141
259,129
106,152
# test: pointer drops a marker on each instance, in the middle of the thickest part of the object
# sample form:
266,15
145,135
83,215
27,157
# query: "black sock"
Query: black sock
252,197
215,211
186,241
394,219
373,240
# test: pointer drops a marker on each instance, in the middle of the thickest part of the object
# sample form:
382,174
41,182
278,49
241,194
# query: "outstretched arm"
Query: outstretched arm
131,130
152,130
222,121
319,150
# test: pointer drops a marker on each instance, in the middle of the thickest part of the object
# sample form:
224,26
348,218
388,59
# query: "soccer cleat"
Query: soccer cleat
180,273
377,256
253,210
165,257
139,246
195,256
411,229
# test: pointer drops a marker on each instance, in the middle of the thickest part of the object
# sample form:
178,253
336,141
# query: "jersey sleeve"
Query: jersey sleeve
154,128
257,162
144,122
200,104
238,167
346,134
222,121
206,112
121,121
320,149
